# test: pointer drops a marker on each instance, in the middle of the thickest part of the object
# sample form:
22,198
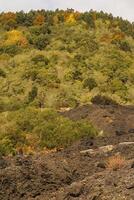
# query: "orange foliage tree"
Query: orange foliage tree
7,16
8,20
39,20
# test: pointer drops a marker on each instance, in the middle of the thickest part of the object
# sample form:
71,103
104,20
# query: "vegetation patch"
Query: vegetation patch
56,60
31,128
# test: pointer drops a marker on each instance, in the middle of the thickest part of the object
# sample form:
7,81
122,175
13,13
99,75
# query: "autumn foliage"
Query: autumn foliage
15,37
39,20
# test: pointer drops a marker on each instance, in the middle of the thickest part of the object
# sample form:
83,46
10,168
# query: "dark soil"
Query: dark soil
70,174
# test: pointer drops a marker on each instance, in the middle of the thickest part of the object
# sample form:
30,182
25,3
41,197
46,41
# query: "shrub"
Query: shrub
32,94
115,162
37,30
48,128
103,100
76,74
11,105
41,42
12,50
30,74
40,59
60,132
124,46
2,73
6,147
10,138
89,83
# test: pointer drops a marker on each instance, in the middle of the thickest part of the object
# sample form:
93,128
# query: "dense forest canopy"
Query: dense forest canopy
58,59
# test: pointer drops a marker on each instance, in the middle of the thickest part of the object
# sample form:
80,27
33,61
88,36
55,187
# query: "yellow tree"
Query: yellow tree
15,37
70,18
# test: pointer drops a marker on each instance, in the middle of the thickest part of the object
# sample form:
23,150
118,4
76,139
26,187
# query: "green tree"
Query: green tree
89,83
41,42
32,94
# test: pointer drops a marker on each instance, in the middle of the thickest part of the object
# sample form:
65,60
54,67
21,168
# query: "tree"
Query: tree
15,37
8,20
103,100
20,18
89,83
2,73
40,59
32,93
88,18
41,42
39,20
70,18
124,46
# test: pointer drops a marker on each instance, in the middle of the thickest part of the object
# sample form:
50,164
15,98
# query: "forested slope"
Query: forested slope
59,59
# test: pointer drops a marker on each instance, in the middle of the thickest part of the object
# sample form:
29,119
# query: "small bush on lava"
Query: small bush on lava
115,162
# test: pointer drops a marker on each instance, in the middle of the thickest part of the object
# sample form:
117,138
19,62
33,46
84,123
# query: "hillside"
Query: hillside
66,106
55,61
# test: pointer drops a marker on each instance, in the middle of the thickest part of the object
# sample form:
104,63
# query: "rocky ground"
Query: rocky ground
81,171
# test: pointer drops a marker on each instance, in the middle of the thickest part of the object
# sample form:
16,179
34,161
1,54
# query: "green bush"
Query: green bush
6,147
50,129
11,105
125,46
40,59
63,132
41,42
32,94
2,73
103,100
89,83
12,50
30,74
